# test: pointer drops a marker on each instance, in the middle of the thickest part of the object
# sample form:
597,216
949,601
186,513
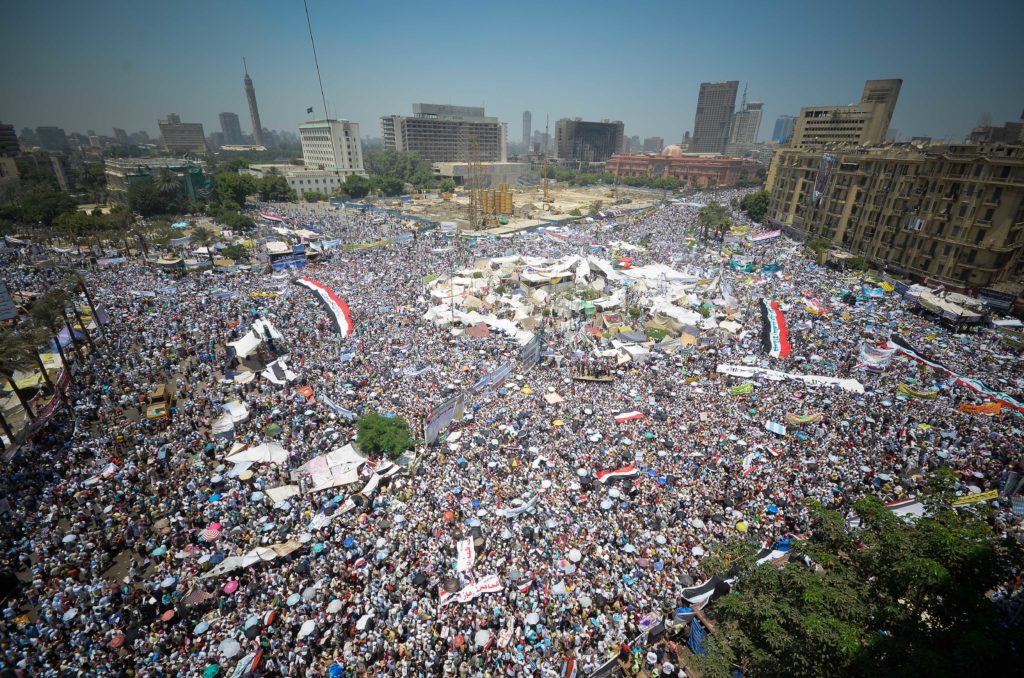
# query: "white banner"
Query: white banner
467,555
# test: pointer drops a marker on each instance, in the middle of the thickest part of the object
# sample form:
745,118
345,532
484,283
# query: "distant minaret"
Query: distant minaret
250,94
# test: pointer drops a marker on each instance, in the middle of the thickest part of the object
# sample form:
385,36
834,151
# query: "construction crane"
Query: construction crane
547,197
474,178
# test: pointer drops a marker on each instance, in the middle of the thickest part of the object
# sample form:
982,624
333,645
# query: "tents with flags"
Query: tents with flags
337,308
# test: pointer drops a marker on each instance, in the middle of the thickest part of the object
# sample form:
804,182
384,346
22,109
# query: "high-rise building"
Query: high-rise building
586,141
120,136
865,123
1010,133
332,145
713,121
52,138
231,128
746,123
653,144
783,128
8,141
441,133
182,137
527,128
950,213
254,111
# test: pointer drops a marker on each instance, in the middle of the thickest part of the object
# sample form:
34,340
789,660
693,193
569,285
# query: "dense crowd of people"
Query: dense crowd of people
112,519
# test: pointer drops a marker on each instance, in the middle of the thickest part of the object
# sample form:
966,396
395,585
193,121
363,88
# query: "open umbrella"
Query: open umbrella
68,538
211,670
334,606
231,586
532,618
201,628
229,647
575,555
293,600
159,551
306,628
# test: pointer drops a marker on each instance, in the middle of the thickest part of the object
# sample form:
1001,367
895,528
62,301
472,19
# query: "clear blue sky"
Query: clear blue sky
109,63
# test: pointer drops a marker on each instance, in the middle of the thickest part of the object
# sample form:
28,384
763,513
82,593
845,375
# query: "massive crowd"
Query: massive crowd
106,512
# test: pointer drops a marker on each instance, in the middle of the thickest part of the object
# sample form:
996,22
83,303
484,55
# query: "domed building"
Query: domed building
672,151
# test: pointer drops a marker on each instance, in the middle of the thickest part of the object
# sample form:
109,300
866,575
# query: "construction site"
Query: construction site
496,208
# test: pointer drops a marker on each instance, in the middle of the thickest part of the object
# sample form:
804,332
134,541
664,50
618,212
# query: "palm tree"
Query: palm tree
49,311
204,237
166,181
14,355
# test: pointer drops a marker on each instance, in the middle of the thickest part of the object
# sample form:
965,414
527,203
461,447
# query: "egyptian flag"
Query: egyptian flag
337,308
774,333
271,217
628,416
624,472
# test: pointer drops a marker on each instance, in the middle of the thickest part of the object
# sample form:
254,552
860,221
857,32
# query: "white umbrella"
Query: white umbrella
334,606
586,601
614,493
575,555
68,538
582,472
532,618
229,647
307,628
70,614
482,637
698,551
309,593
606,504
629,548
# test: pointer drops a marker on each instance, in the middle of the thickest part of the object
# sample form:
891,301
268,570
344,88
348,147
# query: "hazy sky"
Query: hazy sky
108,63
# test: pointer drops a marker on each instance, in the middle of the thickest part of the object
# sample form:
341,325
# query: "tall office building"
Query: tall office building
254,111
332,145
441,133
182,137
950,213
527,128
8,141
713,121
865,123
746,123
653,144
586,141
120,136
231,128
52,138
783,128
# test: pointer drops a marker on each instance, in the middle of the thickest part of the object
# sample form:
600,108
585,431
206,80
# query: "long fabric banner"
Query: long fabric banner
488,584
987,408
746,372
337,308
271,217
742,389
802,419
767,235
915,393
967,382
774,332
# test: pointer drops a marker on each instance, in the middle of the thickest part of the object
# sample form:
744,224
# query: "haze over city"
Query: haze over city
126,64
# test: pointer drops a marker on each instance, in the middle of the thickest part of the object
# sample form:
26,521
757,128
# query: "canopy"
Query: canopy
266,453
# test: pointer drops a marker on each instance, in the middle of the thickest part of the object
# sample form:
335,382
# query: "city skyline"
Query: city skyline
133,81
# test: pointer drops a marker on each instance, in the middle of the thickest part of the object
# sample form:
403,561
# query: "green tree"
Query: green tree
43,207
713,217
92,181
204,237
146,200
448,185
756,205
273,188
892,597
16,354
383,435
407,167
235,252
233,187
314,196
355,187
387,185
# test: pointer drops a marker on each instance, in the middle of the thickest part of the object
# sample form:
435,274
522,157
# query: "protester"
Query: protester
110,514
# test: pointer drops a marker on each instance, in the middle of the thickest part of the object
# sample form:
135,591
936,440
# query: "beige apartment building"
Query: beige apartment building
951,213
864,123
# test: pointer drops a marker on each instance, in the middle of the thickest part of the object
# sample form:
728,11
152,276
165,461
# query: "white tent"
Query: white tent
279,373
266,453
245,346
282,493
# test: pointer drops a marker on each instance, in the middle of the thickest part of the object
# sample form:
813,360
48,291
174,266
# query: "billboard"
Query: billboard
828,161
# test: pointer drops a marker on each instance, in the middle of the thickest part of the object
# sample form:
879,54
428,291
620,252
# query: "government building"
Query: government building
950,214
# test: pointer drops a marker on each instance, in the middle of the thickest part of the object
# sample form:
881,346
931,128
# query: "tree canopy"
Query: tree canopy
355,186
755,205
233,187
406,167
274,188
383,435
891,597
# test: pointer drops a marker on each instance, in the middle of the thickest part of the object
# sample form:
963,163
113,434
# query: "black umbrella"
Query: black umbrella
418,579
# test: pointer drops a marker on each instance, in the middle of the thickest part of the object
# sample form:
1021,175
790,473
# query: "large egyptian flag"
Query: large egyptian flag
624,472
337,308
271,217
774,333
